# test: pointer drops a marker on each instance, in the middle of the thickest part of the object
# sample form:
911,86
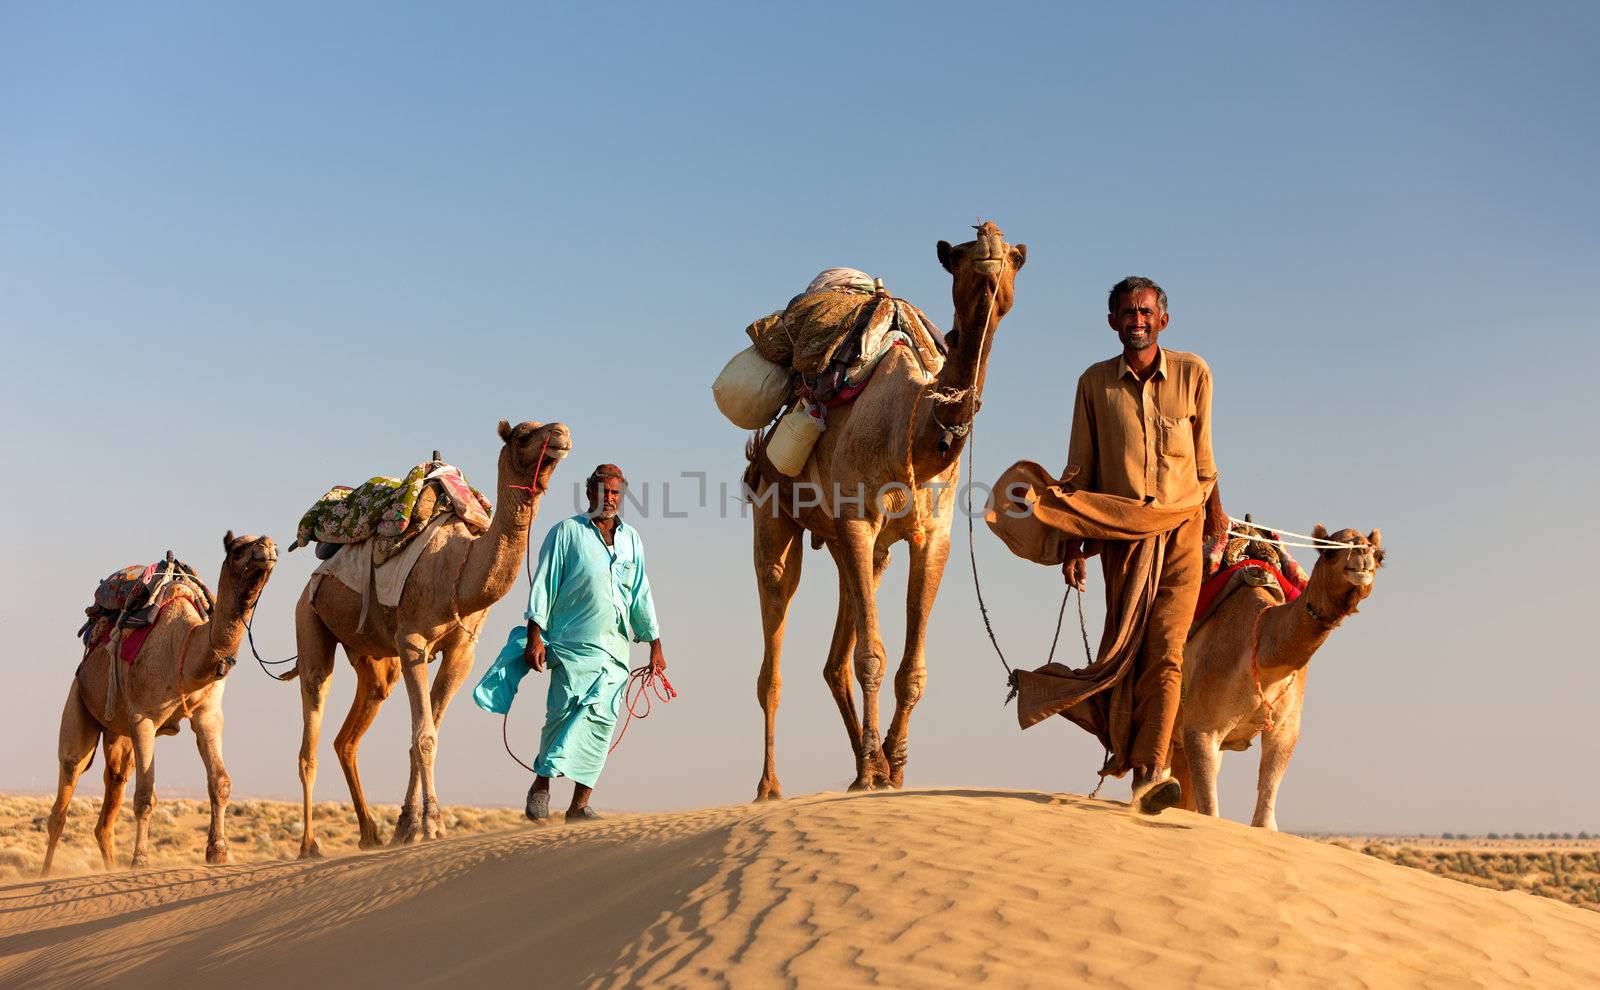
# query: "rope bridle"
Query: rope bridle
965,429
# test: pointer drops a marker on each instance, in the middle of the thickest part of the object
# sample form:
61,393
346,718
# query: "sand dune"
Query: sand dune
917,888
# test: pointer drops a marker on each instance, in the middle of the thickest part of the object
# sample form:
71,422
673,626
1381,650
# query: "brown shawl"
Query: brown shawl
1034,515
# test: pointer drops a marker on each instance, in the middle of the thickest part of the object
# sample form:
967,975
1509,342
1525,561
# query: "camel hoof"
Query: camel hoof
405,829
217,854
310,850
768,790
860,785
139,862
371,840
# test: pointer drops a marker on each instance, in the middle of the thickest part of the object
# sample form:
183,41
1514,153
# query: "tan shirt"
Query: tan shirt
1147,440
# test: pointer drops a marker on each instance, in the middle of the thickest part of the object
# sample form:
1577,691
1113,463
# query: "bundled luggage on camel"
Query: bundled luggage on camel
819,352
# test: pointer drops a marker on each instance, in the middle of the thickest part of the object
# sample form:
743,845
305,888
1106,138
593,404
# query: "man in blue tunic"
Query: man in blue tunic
588,591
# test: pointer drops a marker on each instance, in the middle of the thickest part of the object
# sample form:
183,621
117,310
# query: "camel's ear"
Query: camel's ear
1019,257
1376,539
1319,531
227,541
945,251
505,430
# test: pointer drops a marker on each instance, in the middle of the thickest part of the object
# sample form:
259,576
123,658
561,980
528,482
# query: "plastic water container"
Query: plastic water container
751,389
793,438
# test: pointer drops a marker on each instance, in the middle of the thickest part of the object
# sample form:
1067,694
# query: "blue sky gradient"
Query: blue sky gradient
246,254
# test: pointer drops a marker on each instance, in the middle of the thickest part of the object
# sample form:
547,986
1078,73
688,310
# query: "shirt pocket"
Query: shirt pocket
625,569
1176,437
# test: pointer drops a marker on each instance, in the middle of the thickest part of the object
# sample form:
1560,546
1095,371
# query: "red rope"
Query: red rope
642,683
1255,674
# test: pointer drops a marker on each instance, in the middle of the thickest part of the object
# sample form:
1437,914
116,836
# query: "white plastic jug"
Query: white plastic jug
793,438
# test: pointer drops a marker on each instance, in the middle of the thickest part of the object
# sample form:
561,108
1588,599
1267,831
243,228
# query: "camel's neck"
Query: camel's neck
224,631
494,558
1291,633
947,407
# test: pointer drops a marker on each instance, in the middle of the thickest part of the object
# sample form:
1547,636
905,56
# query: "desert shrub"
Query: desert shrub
1494,835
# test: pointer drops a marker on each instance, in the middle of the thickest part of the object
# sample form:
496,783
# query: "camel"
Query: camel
178,676
1228,701
902,435
446,599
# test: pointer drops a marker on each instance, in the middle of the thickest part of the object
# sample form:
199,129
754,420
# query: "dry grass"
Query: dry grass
257,831
1567,870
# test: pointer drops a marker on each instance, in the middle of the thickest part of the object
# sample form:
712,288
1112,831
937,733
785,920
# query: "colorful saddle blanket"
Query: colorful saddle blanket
1253,560
133,598
392,511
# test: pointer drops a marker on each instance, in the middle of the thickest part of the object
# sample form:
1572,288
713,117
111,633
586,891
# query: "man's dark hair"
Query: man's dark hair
1134,283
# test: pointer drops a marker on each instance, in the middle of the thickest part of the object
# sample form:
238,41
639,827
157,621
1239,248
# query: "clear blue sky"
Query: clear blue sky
249,253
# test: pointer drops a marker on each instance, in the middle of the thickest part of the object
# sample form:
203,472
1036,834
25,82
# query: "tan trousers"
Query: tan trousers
1157,674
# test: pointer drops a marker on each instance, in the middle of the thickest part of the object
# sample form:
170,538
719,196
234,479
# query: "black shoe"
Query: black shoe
538,808
1160,797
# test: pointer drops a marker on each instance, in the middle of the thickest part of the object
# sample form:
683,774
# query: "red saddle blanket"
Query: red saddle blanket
1214,585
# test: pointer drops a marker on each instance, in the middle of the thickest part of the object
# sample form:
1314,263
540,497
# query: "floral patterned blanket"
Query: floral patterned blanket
391,511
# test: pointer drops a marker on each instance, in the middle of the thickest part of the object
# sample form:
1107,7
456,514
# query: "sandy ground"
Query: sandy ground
917,888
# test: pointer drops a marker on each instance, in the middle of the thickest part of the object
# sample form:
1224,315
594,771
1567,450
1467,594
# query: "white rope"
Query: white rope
1316,542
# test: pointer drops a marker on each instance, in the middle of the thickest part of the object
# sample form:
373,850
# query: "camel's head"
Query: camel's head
250,558
984,265
532,451
1355,566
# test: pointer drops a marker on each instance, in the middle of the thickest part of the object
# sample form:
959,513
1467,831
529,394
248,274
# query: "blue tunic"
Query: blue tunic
586,596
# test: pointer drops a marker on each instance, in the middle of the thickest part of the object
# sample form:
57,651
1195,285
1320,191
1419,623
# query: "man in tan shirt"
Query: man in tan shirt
1141,429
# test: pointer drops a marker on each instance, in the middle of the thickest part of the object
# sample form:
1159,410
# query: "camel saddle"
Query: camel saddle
391,511
835,337
1252,558
133,597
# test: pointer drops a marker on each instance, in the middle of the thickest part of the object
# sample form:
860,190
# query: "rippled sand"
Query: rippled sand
925,888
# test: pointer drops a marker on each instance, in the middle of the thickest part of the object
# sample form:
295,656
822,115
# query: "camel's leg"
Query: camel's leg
144,788
856,562
1178,761
1277,746
119,764
375,678
424,735
779,549
454,666
836,672
74,750
1203,750
407,826
316,645
207,724
922,587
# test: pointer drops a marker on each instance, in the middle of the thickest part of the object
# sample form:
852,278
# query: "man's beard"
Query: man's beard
1137,340
603,513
